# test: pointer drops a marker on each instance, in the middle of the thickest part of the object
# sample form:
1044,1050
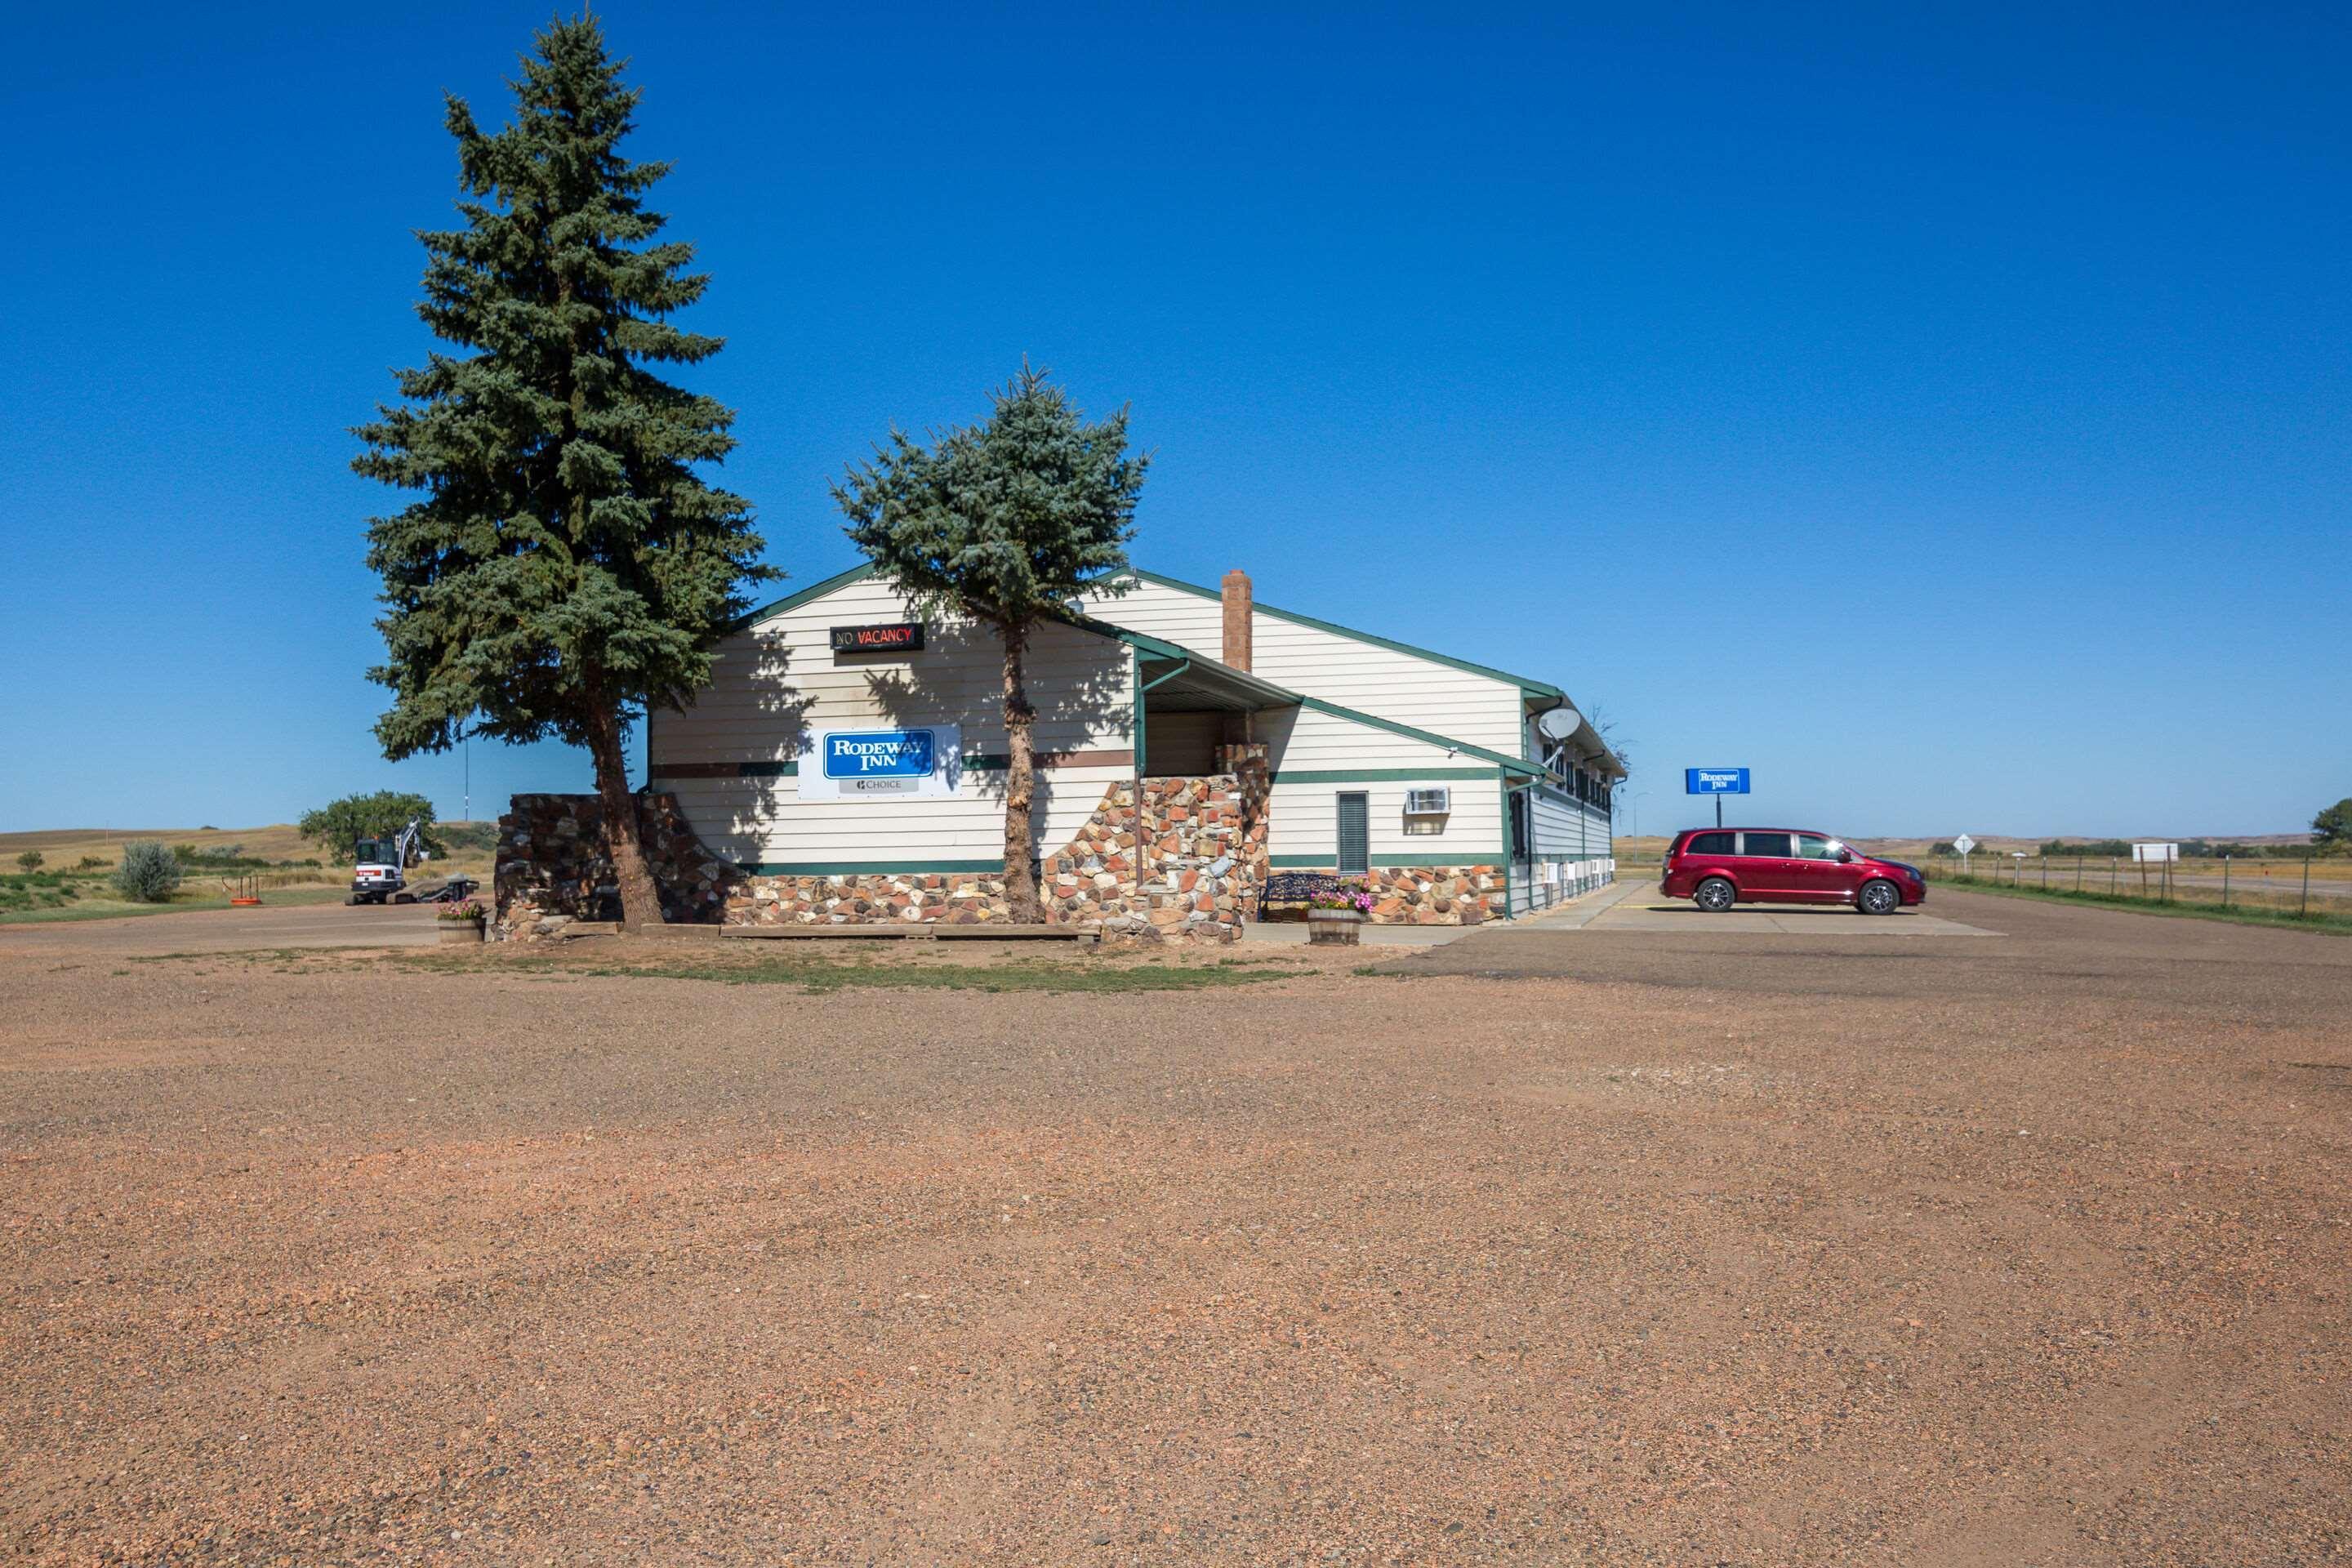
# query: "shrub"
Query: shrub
150,872
90,863
30,859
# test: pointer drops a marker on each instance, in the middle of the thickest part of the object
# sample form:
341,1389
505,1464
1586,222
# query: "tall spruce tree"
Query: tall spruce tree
566,562
1004,522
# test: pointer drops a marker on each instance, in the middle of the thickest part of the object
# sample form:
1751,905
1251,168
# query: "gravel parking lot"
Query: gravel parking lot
1589,1246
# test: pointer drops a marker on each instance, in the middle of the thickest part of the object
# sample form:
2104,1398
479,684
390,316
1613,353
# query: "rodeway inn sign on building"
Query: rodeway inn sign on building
863,765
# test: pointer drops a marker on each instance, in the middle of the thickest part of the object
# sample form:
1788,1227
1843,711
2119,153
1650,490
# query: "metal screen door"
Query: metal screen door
1355,835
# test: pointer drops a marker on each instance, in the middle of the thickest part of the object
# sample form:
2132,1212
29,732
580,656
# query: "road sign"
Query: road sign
1963,844
1714,781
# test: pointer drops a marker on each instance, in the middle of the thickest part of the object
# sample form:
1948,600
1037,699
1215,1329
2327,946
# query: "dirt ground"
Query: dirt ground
1631,1247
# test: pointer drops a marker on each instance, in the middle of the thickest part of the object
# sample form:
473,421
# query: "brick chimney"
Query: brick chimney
1237,618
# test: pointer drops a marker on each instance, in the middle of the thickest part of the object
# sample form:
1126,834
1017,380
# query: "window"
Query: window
1814,846
1769,844
1711,843
1355,835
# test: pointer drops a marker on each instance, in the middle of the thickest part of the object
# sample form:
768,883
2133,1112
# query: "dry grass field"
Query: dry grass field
63,890
1547,1246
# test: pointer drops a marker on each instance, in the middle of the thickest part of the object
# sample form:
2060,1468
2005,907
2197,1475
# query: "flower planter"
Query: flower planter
1341,928
466,931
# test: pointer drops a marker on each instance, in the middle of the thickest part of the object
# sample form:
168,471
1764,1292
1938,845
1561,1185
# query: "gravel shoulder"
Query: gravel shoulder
1606,1246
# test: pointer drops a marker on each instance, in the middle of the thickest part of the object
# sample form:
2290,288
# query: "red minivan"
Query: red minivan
1717,868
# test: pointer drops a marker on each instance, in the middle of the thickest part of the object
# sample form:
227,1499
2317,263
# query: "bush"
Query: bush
150,872
90,863
30,859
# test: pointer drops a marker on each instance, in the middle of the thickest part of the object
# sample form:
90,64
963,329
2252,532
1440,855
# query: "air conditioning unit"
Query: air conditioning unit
1434,802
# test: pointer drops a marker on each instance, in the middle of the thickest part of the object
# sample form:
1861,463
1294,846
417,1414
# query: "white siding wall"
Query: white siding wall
1571,852
1399,687
1566,829
777,682
1303,820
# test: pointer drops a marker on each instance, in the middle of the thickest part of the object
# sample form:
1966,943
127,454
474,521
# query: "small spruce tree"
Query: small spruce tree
566,563
1004,522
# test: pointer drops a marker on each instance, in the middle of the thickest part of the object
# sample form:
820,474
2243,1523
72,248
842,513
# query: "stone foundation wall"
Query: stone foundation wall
860,897
1432,895
1197,875
552,867
1203,861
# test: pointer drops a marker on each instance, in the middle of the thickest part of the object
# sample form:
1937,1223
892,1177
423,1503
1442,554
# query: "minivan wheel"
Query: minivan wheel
1715,895
1880,898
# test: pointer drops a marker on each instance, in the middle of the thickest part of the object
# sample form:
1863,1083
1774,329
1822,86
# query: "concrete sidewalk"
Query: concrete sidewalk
1561,917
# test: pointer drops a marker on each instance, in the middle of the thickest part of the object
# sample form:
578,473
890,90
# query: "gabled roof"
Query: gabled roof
1539,688
1220,680
795,600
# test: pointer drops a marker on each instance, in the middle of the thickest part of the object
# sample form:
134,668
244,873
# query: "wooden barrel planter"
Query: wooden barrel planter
461,933
1338,928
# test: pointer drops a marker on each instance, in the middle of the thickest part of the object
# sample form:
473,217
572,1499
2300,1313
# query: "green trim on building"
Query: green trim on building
735,770
1379,862
1508,848
1374,775
1540,688
866,868
795,600
1428,738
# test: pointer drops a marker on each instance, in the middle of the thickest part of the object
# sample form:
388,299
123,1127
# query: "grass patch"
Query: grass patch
106,907
819,975
2236,914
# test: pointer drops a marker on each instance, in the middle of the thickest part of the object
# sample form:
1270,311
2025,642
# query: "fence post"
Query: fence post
2225,881
2045,872
2306,886
2142,875
2078,873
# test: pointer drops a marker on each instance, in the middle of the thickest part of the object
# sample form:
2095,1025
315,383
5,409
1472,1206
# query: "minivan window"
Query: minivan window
1814,846
1709,844
1767,844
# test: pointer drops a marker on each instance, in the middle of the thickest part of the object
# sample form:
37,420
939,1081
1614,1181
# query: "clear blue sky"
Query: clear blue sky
1944,415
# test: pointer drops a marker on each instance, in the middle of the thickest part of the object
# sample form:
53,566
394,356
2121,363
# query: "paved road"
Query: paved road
227,930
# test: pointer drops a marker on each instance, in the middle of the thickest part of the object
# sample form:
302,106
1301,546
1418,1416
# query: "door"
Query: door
1768,866
1824,878
1355,835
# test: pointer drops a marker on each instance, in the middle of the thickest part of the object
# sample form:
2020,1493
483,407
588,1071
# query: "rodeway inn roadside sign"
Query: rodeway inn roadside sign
857,764
1714,781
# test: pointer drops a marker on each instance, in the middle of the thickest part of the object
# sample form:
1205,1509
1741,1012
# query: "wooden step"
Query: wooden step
909,933
1008,930
927,931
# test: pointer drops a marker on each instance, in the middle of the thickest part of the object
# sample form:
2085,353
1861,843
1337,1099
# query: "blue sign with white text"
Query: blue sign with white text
880,754
1714,781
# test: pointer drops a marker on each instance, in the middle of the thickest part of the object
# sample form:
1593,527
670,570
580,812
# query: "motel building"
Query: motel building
847,763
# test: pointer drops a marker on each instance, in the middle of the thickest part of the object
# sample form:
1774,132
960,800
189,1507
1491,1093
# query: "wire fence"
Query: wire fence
2308,886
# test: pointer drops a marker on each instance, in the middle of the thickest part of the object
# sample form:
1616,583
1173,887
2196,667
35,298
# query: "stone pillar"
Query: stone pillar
1254,778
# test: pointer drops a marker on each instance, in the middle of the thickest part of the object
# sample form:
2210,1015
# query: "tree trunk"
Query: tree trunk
640,901
1020,784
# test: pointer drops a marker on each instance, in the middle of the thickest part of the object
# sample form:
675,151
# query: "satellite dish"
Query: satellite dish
1559,723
